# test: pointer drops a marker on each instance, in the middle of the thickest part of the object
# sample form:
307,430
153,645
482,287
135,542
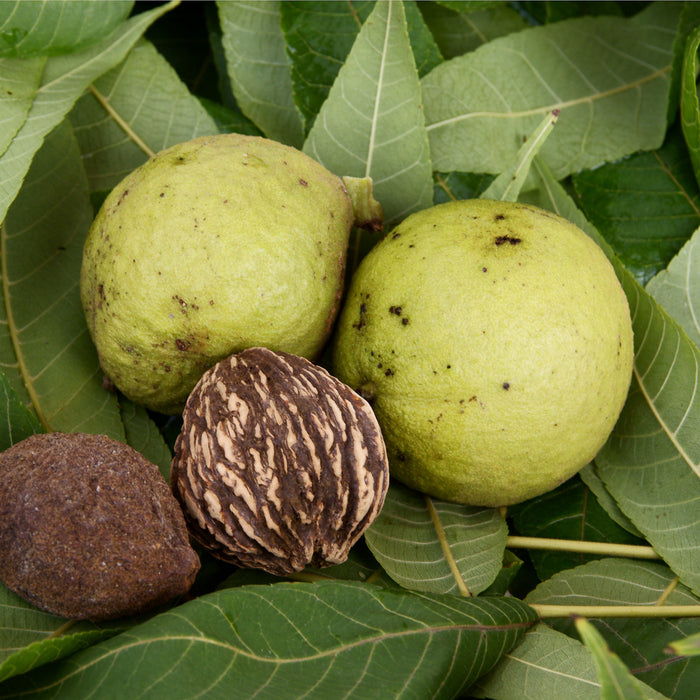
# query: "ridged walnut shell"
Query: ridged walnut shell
89,528
278,465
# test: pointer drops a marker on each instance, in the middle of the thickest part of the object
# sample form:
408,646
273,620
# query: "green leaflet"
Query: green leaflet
507,185
593,482
19,80
289,640
319,36
480,106
616,682
677,288
229,120
144,436
64,79
452,186
688,22
690,110
545,663
646,206
57,26
138,108
434,546
385,137
16,420
360,567
640,644
650,463
45,348
259,69
458,32
30,637
689,646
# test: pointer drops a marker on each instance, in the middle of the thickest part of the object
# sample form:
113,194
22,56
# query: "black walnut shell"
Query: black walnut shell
89,528
278,465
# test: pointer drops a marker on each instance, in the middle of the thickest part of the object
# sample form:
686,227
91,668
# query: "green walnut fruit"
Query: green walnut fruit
212,246
495,344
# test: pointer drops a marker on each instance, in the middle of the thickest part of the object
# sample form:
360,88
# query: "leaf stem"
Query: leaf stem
449,558
307,577
446,188
605,548
561,105
668,590
374,575
13,332
121,122
63,629
550,611
506,187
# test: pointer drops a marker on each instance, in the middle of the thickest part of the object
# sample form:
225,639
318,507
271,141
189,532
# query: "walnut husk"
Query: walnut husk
89,528
279,465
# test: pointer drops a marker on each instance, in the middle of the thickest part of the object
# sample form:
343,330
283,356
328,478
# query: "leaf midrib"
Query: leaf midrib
380,82
672,435
121,122
14,335
447,551
190,639
588,99
552,671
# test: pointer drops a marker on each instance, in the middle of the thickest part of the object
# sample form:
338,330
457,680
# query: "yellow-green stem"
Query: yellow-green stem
667,591
121,122
583,547
449,558
63,629
307,577
550,611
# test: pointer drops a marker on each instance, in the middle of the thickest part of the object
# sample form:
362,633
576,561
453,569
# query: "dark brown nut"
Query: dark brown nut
278,465
89,528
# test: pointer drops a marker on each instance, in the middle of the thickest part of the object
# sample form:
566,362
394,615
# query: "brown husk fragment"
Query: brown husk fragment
278,465
89,528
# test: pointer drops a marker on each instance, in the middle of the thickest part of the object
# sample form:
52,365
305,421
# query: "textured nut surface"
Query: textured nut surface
279,465
89,528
